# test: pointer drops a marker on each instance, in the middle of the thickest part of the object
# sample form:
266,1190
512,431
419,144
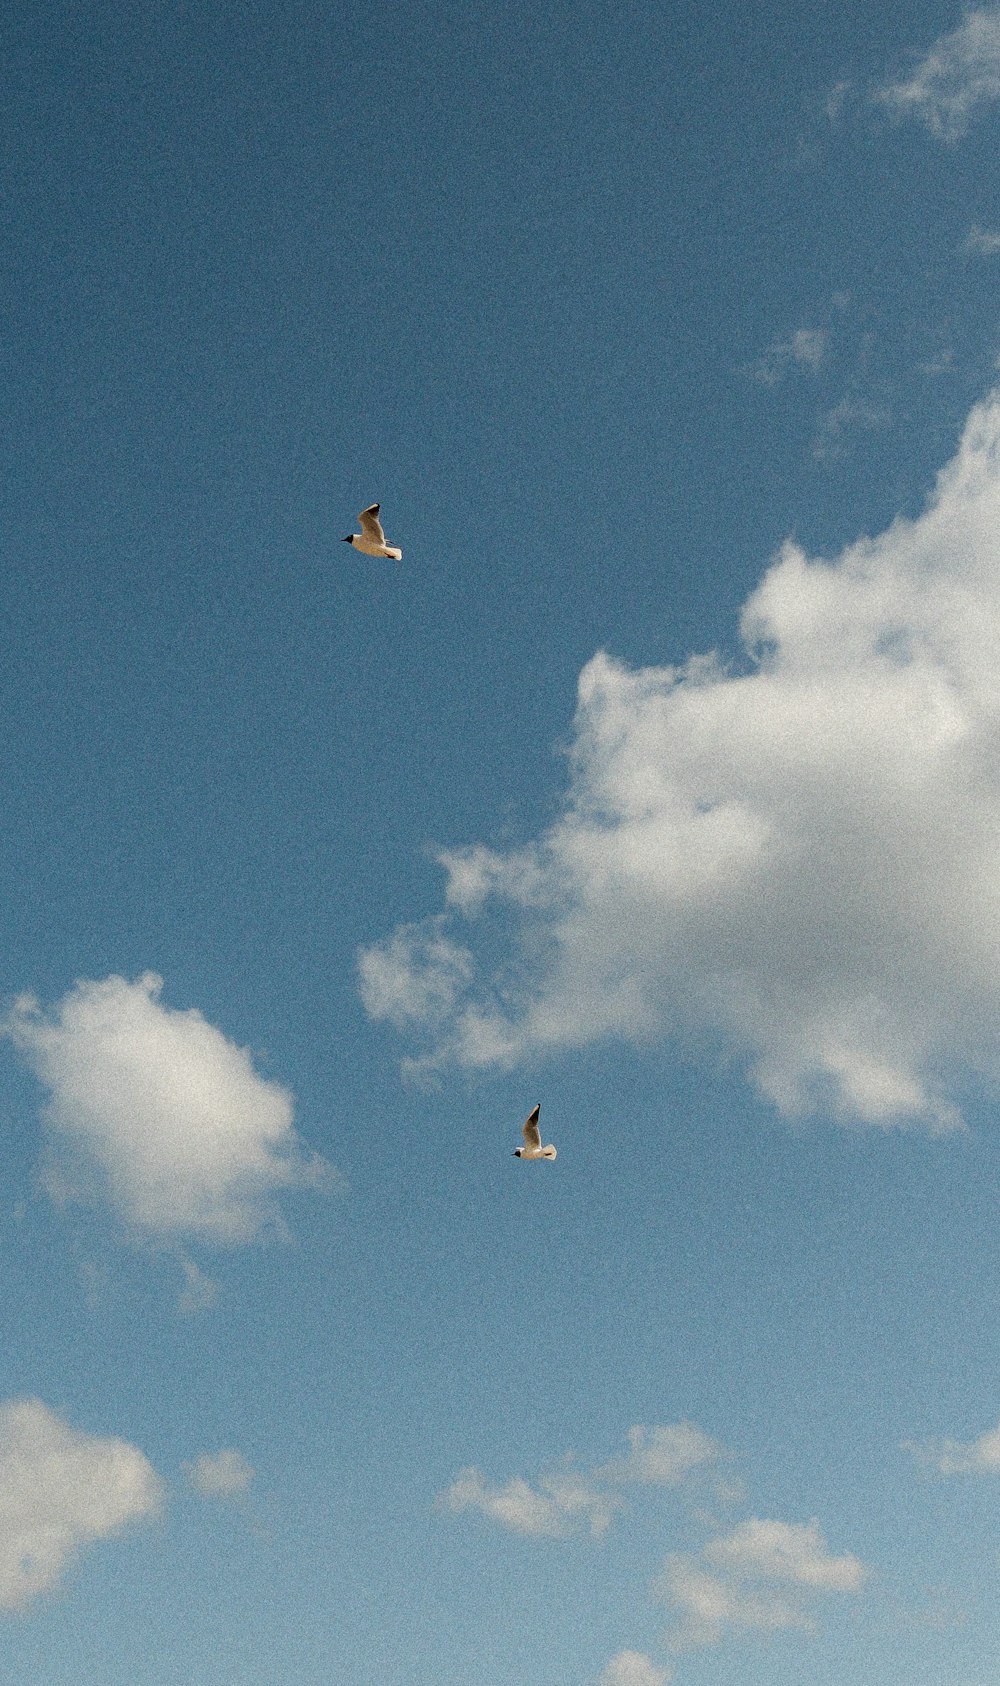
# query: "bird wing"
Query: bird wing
531,1136
371,526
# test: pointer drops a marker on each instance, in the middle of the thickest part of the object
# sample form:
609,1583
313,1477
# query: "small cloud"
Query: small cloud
61,1490
634,1668
836,100
199,1291
959,1457
762,1576
663,1455
981,242
562,1503
220,1475
156,1110
852,415
804,348
957,79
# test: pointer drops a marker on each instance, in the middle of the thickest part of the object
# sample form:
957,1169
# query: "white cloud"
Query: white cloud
155,1108
799,857
981,242
956,79
60,1490
804,348
220,1475
568,1498
563,1502
959,1457
663,1455
762,1576
634,1668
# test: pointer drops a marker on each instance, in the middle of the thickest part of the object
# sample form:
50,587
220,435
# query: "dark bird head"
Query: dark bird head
517,1153
349,539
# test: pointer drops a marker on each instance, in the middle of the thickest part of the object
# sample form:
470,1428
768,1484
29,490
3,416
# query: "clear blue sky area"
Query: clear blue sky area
320,870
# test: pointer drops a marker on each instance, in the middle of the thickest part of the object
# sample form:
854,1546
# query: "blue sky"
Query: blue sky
659,783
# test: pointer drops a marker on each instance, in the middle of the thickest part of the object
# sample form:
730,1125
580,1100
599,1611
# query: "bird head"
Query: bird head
517,1153
349,539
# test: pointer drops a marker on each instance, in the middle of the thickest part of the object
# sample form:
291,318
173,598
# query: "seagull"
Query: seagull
371,539
533,1148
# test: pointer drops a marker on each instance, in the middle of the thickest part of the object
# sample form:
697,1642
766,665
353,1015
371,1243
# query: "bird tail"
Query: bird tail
394,555
548,1152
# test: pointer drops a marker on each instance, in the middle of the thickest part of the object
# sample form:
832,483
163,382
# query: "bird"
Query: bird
371,539
533,1148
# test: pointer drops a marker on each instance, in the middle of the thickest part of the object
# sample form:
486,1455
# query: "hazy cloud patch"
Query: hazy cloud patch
634,1668
981,242
952,83
220,1475
959,1457
804,348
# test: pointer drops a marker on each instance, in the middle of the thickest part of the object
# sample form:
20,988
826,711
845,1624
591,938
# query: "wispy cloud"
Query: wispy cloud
959,1457
761,1576
570,1498
634,1668
220,1475
155,1109
957,79
804,348
841,426
561,1503
60,1490
981,242
663,1456
757,854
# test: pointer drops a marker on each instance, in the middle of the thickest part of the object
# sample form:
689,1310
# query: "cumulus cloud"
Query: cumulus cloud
803,348
61,1490
955,80
798,856
634,1668
562,1503
156,1109
959,1457
762,1576
220,1475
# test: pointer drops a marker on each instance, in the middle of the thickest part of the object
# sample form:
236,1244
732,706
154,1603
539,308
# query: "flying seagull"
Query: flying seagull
533,1148
371,539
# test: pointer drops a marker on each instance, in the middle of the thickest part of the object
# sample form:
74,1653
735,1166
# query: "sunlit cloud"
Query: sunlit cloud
60,1491
957,79
155,1110
796,855
763,1576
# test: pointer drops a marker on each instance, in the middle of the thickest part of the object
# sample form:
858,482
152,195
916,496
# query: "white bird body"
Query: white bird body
371,539
533,1148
